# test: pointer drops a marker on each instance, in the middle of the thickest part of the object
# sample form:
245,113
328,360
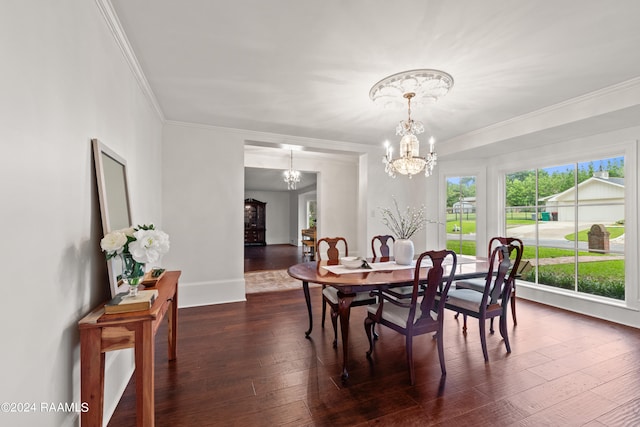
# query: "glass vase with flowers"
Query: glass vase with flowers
136,247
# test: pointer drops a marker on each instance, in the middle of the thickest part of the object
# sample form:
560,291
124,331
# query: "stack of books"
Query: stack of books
123,303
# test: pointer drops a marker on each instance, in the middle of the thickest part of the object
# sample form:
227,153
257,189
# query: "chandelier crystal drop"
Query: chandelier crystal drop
417,86
291,176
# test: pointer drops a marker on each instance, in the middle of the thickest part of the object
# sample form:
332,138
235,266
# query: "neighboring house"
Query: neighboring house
466,205
599,198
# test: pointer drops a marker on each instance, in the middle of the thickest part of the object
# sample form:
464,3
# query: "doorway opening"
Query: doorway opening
286,213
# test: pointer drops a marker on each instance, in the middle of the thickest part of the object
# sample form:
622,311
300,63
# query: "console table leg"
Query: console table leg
91,376
145,392
172,318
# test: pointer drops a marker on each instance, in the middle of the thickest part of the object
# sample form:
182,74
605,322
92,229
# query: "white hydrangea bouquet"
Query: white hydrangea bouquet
136,246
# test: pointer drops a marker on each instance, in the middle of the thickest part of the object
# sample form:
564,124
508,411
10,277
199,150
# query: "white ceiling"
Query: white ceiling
259,179
304,68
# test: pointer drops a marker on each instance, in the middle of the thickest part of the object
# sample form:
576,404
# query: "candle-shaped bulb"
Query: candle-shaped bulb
387,145
432,143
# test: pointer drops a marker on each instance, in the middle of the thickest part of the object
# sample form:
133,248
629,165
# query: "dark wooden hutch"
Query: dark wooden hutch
255,222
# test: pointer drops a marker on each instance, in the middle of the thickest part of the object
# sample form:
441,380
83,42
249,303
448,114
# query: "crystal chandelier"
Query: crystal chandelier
421,86
291,177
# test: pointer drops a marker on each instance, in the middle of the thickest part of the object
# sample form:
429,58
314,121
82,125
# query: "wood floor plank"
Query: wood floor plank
496,413
627,414
550,393
567,364
575,411
623,389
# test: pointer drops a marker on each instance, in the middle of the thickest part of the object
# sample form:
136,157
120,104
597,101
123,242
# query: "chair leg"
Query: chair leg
483,338
464,324
410,359
439,337
324,309
503,331
334,322
513,306
491,326
368,328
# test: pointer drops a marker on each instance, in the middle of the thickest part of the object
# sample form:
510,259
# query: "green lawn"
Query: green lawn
604,278
469,248
529,252
468,226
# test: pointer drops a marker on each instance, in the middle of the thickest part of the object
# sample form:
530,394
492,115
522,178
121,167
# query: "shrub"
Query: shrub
610,288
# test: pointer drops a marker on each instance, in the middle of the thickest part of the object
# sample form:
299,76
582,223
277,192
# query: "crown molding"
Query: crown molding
111,18
596,97
253,137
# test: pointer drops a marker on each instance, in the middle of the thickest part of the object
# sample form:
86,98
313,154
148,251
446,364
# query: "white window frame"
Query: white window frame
601,146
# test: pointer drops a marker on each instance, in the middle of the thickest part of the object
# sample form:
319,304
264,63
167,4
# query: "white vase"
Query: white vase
403,251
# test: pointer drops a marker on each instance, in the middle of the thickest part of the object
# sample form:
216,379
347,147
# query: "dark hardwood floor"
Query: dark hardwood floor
249,364
271,257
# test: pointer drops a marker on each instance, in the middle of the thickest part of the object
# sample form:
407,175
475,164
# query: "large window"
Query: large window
461,214
571,220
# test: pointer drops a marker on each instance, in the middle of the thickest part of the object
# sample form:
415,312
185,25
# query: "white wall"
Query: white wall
278,216
378,190
203,206
203,199
63,81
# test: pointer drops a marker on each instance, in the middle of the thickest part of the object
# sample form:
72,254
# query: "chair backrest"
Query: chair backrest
499,285
382,241
333,251
434,284
500,241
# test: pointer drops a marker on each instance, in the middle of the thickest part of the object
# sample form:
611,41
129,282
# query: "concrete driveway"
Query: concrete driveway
551,234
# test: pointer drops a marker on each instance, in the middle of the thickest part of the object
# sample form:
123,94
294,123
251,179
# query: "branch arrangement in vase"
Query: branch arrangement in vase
404,225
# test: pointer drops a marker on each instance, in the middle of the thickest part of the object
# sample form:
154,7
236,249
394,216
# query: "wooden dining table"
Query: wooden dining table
384,274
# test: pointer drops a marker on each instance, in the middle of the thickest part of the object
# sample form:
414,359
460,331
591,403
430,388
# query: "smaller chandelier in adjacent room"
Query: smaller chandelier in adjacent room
417,85
291,177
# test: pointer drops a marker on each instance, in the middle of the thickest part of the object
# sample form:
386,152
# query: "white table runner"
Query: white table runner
375,266
391,265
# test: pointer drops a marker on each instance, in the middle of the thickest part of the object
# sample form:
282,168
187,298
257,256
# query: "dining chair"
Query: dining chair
479,283
382,242
419,315
336,246
493,300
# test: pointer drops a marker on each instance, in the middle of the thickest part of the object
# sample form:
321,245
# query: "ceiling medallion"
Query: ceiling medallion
420,87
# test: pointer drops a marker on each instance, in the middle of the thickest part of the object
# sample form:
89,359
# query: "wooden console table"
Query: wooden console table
100,332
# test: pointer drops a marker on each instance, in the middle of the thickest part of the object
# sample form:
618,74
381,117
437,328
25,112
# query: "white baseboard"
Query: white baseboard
197,294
